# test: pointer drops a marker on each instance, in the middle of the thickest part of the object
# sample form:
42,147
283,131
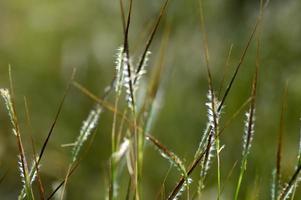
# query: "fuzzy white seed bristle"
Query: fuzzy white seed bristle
88,126
212,110
249,131
142,71
32,176
128,73
119,62
183,188
22,173
212,125
9,106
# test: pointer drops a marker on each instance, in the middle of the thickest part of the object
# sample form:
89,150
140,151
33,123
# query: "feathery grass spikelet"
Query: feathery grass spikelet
32,175
288,189
175,161
119,62
213,120
212,110
277,172
183,188
142,71
132,77
9,106
128,80
168,155
292,184
207,160
274,188
249,131
5,93
26,179
88,126
210,123
22,172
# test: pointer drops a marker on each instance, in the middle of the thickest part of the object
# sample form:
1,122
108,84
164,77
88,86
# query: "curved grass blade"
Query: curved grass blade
277,171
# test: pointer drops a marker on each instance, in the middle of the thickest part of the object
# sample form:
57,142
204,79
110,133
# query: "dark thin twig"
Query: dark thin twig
279,145
239,65
122,15
22,155
74,166
181,181
55,119
226,66
148,43
40,183
290,183
127,54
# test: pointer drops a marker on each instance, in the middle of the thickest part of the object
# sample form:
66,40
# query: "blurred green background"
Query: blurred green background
44,40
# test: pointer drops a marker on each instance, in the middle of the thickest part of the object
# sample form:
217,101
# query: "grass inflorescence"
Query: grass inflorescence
133,118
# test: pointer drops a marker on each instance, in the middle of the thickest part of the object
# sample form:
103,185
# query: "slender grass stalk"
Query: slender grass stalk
111,108
118,86
248,137
199,152
213,105
45,143
24,173
250,123
35,157
89,125
229,176
87,129
65,182
134,126
291,186
277,171
169,155
161,191
8,97
191,168
122,15
150,40
121,128
175,161
37,160
288,188
249,128
225,70
75,165
140,71
235,114
242,58
129,77
298,164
